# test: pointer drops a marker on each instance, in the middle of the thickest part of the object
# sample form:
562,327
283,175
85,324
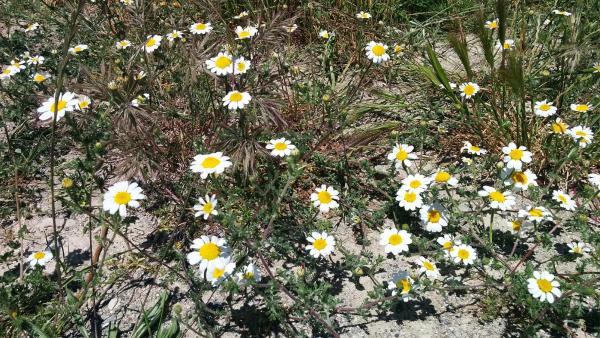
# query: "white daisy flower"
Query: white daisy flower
66,103
241,15
395,241
201,28
401,282
325,198
535,214
498,199
219,270
543,286
463,253
174,34
250,273
152,43
516,156
123,44
579,248
241,66
40,77
492,24
376,51
544,108
291,29
321,244
468,89
472,149
207,250
121,195
83,102
519,179
236,99
581,107
409,199
559,126
36,60
206,164
428,267
566,202
582,135
417,183
363,15
222,64
280,147
506,45
448,243
433,217
32,27
594,179
402,153
563,13
40,258
325,34
206,206
441,177
78,49
514,226
245,33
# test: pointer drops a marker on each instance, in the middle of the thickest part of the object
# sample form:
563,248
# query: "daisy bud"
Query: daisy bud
405,227
295,152
67,183
98,146
423,123
545,72
394,133
325,98
355,219
500,165
358,271
300,271
177,309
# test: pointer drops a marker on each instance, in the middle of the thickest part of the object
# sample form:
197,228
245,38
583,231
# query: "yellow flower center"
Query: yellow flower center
581,133
401,155
236,97
209,251
516,226
324,197
493,25
403,284
223,62
39,78
415,184
207,207
319,244
62,104
497,196
378,50
77,49
520,177
463,254
516,154
544,285
241,66
248,275
475,149
536,213
397,49
559,127
410,196
122,197
442,176
84,104
244,34
395,239
562,198
506,45
447,245
210,162
6,71
582,107
469,89
218,273
280,146
544,107
428,266
433,216
150,43
200,26
39,255
577,249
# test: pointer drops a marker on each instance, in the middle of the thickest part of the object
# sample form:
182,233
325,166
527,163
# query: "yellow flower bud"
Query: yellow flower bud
67,183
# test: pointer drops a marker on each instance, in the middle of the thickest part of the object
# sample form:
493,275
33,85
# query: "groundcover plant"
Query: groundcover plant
211,168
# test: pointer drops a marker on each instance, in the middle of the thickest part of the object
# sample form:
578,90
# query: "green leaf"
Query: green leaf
170,332
151,319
